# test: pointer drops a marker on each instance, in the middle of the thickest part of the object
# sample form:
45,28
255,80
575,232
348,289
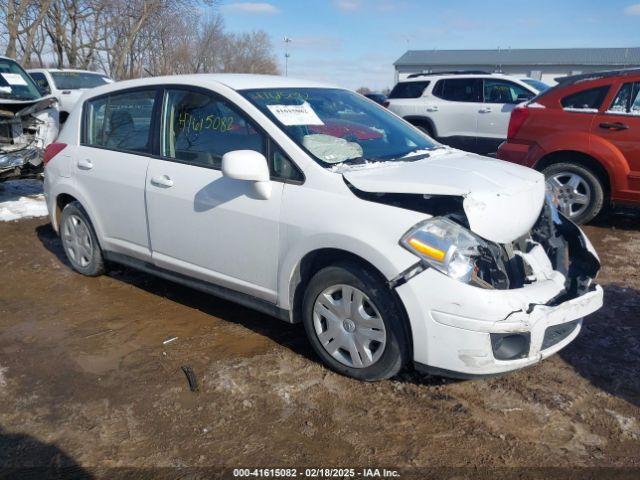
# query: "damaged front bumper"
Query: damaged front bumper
461,330
26,128
22,163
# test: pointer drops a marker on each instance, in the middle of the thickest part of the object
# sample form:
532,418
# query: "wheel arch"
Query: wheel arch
582,159
66,196
315,260
419,120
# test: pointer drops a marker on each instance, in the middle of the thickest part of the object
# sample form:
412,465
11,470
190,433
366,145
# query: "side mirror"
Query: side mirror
250,166
524,98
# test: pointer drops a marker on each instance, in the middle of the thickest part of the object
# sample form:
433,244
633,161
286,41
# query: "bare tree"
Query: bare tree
248,53
131,38
21,21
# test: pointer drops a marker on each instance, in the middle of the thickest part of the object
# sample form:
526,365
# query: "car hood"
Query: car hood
502,200
17,108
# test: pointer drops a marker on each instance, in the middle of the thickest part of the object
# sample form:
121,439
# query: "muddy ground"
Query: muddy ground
85,380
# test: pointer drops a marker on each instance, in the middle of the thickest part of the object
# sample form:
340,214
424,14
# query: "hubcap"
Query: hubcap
349,326
572,192
77,241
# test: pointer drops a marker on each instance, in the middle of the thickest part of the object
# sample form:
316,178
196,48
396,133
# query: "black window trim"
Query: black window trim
635,88
426,83
44,77
485,79
156,124
588,111
84,134
435,92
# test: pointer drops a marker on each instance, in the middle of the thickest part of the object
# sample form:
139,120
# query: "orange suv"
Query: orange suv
584,135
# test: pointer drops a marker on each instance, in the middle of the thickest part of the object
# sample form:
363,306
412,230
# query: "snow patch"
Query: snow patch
21,199
628,425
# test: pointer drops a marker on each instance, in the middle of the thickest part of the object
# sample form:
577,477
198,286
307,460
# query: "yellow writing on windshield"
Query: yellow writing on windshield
279,96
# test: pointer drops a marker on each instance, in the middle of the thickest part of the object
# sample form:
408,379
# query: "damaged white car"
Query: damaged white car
28,122
311,203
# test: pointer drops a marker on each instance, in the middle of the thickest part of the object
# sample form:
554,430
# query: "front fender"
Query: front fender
390,259
314,219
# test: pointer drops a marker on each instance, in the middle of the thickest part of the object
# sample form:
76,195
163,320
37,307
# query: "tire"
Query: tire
379,328
425,129
79,241
559,177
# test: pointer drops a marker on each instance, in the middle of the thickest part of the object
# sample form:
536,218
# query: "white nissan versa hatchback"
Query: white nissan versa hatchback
314,204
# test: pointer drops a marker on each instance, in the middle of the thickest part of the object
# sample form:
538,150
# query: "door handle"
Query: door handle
485,110
614,126
432,109
85,164
162,181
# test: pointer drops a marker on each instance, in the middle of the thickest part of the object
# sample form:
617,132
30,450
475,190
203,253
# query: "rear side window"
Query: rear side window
199,128
585,100
459,89
408,89
121,121
627,101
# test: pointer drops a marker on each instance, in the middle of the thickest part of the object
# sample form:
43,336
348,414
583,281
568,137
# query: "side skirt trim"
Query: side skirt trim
216,290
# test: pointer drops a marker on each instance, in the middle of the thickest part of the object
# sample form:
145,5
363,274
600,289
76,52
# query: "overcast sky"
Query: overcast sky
355,42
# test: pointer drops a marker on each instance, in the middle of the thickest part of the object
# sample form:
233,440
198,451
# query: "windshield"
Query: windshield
537,84
337,126
15,83
76,80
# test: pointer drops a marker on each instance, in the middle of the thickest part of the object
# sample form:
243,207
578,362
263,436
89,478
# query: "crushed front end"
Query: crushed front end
26,128
523,301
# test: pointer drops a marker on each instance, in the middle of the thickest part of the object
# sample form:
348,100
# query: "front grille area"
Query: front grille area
557,333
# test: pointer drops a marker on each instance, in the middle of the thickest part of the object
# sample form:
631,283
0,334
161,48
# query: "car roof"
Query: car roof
65,70
584,77
235,81
427,76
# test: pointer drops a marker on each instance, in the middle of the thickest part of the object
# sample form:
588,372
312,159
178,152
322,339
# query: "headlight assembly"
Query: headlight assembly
447,247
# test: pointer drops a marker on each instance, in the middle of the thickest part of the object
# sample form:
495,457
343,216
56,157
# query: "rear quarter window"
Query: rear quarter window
408,89
588,100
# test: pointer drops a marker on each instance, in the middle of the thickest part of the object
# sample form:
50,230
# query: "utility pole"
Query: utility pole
286,41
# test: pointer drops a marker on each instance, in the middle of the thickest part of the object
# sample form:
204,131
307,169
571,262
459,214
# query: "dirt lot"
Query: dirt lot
85,380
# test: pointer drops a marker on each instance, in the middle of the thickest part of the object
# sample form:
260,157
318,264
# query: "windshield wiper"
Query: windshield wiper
14,97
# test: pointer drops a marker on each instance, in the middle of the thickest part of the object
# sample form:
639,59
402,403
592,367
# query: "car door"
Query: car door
620,124
201,223
455,111
500,97
110,167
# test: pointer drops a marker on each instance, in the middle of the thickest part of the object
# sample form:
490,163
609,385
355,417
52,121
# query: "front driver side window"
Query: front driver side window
501,91
199,128
627,100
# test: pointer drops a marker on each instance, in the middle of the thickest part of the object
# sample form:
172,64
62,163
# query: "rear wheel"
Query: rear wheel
79,241
425,128
354,324
578,190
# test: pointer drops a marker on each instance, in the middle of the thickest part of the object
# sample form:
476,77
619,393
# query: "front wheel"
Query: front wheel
578,190
354,324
